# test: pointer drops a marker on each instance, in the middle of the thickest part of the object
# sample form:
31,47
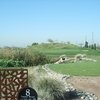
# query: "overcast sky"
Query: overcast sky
23,22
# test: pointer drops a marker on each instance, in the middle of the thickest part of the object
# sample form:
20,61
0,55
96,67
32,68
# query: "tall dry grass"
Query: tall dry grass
46,87
21,57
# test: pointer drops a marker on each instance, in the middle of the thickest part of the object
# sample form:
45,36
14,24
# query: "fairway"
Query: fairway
78,69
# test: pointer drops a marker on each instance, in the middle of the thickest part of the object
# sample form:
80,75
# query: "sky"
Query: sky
23,22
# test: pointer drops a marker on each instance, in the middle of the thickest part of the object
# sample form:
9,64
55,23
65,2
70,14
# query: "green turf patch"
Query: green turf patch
78,69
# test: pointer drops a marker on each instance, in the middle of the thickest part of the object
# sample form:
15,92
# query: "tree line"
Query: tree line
92,46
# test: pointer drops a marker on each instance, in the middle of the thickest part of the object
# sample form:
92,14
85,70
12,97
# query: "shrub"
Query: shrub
46,87
6,53
30,58
21,57
50,89
2,62
20,63
40,59
11,63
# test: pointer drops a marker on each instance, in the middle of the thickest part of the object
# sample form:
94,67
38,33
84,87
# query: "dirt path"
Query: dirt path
88,84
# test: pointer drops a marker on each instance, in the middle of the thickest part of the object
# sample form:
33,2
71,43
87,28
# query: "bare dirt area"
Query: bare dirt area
87,84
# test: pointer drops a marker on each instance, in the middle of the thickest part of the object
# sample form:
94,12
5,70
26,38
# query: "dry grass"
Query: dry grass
46,87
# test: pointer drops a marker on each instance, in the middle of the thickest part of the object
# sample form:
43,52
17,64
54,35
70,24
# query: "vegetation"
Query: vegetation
37,54
86,44
57,49
78,69
40,54
12,63
53,88
20,57
46,87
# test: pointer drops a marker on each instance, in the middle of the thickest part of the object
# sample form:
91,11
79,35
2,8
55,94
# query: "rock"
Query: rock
78,57
77,94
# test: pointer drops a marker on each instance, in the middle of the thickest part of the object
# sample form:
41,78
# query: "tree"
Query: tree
34,43
94,46
86,44
50,41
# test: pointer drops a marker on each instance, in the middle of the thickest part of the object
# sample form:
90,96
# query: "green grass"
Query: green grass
57,49
78,69
61,52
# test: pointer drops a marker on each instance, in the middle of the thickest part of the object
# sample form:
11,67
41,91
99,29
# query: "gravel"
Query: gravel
74,94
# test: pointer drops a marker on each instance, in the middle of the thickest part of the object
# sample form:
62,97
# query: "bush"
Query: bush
21,57
11,63
46,87
39,59
53,88
2,62
30,58
6,53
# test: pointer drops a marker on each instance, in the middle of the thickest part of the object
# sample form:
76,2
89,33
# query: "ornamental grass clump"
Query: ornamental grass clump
47,88
50,89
